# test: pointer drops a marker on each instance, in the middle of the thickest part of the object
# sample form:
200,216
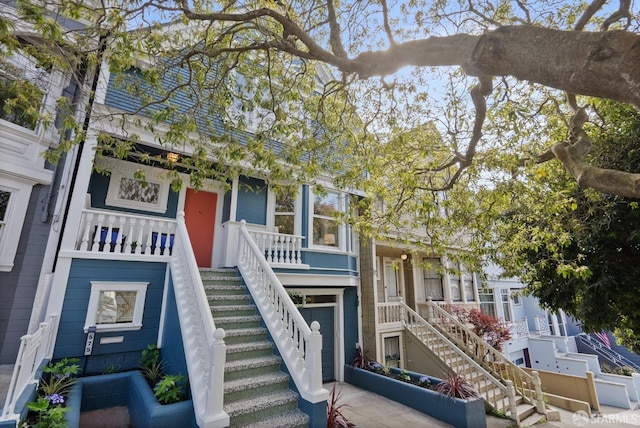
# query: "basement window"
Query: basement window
116,306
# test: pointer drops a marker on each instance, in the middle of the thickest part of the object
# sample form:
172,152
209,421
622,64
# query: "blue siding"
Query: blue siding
172,347
328,260
351,322
98,189
71,337
252,201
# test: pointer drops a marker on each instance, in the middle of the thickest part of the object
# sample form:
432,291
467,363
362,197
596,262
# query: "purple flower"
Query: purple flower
424,379
376,366
55,398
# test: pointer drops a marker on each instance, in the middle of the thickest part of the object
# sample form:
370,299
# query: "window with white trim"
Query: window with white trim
4,208
326,229
515,295
487,303
467,281
454,286
392,351
506,305
135,187
116,306
285,213
432,275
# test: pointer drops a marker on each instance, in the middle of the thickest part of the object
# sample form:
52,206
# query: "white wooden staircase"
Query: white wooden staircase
506,388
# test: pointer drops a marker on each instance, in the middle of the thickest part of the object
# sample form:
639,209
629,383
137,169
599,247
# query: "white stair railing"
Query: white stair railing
300,346
34,350
204,347
495,394
527,385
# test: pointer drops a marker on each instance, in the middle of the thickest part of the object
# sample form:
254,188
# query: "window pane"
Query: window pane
506,308
4,204
285,203
116,307
454,282
433,280
326,205
487,304
19,102
468,287
392,351
325,232
139,191
284,224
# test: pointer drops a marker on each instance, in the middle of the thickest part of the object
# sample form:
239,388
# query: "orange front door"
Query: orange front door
200,218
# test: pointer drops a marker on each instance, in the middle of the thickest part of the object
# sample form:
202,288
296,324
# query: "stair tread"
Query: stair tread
227,308
231,332
256,381
249,346
267,360
254,404
240,318
227,297
294,418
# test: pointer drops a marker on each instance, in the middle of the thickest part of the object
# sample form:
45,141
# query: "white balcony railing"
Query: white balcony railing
34,350
542,325
279,248
205,350
114,232
300,345
518,328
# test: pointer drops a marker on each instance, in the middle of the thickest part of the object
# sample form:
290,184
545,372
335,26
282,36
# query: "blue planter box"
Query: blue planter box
455,411
126,389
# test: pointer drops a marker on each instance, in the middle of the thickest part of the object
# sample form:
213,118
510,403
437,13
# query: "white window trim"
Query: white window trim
92,310
297,211
516,297
121,170
13,222
384,336
342,228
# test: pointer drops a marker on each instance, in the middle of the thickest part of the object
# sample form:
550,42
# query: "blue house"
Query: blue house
251,293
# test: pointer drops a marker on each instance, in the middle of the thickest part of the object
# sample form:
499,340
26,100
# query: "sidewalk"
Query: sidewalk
368,410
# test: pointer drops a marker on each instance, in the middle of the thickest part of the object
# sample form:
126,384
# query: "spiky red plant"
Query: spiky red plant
456,386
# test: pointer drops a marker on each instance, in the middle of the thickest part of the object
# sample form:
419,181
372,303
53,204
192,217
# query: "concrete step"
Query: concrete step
214,289
244,335
240,389
256,409
294,419
239,351
217,300
251,367
241,322
233,311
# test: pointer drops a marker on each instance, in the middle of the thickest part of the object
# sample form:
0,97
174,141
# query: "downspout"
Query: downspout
87,118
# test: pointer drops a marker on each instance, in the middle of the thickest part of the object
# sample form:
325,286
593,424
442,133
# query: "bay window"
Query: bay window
326,229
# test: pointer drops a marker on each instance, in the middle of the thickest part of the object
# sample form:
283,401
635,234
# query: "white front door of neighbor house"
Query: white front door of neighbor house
393,280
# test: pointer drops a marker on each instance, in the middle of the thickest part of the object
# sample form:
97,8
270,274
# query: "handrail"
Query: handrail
34,350
527,385
607,352
300,346
458,361
204,347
